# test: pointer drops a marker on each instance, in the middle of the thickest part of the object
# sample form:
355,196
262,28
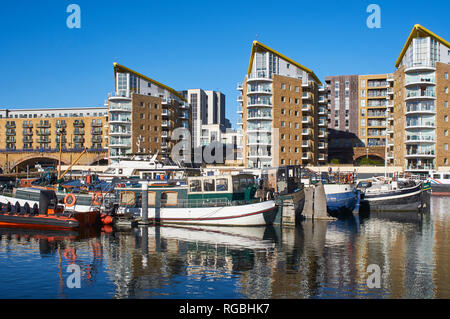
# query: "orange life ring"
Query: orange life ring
70,200
70,254
350,177
97,198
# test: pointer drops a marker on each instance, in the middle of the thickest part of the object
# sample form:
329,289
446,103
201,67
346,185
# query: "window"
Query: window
282,136
195,186
283,86
446,89
222,185
282,149
169,199
127,198
446,75
208,185
446,104
282,112
282,124
297,89
446,118
446,176
445,147
283,99
445,132
287,66
151,199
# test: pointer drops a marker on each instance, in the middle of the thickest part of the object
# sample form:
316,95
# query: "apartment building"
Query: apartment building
208,115
143,116
30,134
283,112
421,96
343,108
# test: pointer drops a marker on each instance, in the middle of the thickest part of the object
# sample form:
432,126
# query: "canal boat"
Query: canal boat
48,215
390,195
226,200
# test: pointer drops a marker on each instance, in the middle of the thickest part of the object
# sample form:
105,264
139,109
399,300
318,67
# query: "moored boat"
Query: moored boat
227,200
390,195
440,183
45,216
340,191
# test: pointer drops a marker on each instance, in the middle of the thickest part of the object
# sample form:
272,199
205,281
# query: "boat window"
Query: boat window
222,185
437,176
169,199
235,185
208,185
127,198
195,186
151,198
250,181
291,172
446,176
243,184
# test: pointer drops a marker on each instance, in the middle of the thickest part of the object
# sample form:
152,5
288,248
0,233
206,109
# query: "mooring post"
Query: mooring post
144,215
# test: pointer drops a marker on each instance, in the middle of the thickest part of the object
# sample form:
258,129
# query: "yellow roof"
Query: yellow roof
419,31
121,68
257,45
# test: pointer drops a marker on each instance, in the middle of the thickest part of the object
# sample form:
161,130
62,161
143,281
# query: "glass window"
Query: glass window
243,184
151,198
195,186
446,176
222,185
127,198
169,199
208,185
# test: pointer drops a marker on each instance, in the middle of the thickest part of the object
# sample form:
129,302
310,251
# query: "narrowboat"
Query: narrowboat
226,200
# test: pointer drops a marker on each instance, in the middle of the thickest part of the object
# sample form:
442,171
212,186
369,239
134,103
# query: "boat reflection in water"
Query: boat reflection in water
316,259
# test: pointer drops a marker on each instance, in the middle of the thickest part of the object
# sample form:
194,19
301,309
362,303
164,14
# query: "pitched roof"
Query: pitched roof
419,31
259,45
121,68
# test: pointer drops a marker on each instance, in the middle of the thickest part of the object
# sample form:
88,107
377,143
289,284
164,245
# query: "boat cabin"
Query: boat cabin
199,191
282,180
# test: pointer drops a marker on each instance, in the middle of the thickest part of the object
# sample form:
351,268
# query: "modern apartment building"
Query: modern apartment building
283,112
143,115
208,115
343,114
29,136
421,98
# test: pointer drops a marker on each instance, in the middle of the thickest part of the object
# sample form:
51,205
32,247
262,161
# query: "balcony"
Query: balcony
419,66
10,125
323,123
420,124
413,139
307,96
165,112
259,76
165,124
120,132
419,80
322,145
424,109
42,132
240,98
239,109
259,102
306,144
259,90
306,156
79,132
26,125
322,111
43,125
422,154
78,124
306,107
239,87
420,95
306,132
306,120
120,119
259,116
96,131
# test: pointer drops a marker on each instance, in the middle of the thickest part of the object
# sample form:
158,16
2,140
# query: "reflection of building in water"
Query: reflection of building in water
441,247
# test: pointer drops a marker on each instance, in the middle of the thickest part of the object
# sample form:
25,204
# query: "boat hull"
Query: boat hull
341,199
38,222
257,214
407,199
84,218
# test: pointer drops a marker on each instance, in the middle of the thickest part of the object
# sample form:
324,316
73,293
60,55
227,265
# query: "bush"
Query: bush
334,161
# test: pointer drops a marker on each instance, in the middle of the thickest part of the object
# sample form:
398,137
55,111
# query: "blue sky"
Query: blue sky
192,44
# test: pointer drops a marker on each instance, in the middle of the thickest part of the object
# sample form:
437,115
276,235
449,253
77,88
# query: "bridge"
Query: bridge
18,160
373,152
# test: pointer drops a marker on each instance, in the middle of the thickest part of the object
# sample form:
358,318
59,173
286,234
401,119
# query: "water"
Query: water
321,259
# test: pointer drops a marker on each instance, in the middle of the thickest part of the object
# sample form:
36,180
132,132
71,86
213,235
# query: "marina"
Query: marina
316,259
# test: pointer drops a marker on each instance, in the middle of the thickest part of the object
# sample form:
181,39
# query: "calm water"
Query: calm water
324,259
